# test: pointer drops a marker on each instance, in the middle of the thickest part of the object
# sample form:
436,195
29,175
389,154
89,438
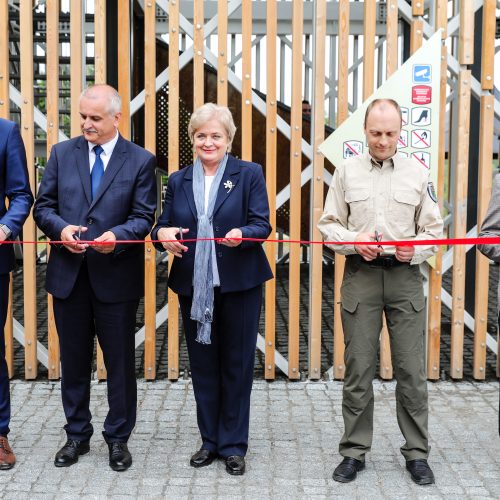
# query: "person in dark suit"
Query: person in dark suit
219,283
14,186
97,190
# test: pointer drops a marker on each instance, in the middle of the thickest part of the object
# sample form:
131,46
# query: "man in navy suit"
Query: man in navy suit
97,189
14,186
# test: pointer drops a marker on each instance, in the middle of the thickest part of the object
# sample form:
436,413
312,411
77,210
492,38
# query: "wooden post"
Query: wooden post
29,229
460,218
417,35
488,44
173,162
316,251
100,77
52,44
76,66
370,16
436,272
417,8
198,57
342,114
150,145
271,151
222,53
295,191
246,86
124,65
466,35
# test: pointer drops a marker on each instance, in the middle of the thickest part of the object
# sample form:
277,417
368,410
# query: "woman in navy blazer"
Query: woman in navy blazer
219,283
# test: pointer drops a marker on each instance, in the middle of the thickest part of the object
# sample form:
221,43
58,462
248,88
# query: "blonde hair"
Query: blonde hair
210,111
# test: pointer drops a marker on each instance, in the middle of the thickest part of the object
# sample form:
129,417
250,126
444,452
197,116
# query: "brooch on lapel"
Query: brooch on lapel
228,185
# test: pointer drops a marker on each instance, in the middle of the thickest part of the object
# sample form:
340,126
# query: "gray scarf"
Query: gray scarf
203,286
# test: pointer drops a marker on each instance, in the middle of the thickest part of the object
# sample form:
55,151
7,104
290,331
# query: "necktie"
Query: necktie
97,170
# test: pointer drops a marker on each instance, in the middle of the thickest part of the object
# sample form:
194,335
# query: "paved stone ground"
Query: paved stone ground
294,432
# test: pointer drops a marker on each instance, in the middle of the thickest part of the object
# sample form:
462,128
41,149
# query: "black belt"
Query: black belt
385,261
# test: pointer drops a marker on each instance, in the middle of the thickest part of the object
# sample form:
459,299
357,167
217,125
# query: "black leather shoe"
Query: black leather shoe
347,470
69,453
235,465
420,471
120,458
202,458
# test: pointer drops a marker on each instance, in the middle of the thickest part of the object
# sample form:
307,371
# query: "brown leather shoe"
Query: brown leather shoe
7,457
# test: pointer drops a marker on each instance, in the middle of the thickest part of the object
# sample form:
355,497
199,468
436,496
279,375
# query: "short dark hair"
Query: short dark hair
376,102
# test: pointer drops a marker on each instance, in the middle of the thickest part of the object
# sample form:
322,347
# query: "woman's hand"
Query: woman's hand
228,239
173,246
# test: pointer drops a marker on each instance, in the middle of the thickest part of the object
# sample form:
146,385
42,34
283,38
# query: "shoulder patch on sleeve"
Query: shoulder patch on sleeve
431,192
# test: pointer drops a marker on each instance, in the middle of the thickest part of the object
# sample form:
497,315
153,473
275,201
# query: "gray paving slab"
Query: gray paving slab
294,434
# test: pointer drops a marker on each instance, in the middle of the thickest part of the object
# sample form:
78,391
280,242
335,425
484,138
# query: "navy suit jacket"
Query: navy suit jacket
14,185
125,204
244,206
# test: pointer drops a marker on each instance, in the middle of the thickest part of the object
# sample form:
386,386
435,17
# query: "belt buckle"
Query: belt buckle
387,262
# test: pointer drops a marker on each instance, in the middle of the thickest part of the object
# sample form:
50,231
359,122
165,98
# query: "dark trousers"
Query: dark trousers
222,371
4,373
78,318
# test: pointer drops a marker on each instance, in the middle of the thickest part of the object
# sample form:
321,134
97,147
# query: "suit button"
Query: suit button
217,228
90,221
220,254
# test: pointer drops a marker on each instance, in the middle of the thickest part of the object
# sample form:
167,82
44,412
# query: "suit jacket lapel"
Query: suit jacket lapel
188,190
228,182
83,167
116,162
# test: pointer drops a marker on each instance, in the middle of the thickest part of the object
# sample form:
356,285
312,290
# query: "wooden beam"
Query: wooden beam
488,44
466,33
295,192
173,162
392,37
198,58
246,86
222,52
460,219
52,47
76,65
124,65
416,35
442,17
486,133
316,251
370,19
271,157
29,228
417,8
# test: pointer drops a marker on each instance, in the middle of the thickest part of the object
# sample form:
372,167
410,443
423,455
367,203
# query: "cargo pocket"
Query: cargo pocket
349,304
418,304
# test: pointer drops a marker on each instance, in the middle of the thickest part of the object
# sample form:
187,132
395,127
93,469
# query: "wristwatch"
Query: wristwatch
6,230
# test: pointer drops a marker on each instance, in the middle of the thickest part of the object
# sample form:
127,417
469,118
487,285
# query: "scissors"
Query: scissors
378,237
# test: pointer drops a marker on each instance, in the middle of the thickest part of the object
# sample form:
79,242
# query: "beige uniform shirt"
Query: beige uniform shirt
394,199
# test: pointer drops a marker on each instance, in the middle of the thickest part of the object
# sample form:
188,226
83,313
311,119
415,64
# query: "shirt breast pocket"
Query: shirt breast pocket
359,204
403,207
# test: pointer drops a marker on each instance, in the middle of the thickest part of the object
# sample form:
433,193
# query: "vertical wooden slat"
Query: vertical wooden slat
316,251
124,65
417,8
417,35
370,18
466,35
246,86
271,154
100,77
342,114
222,53
488,44
4,61
392,37
460,219
442,17
435,273
173,162
198,59
76,50
486,133
150,145
295,191
52,45
29,229
5,113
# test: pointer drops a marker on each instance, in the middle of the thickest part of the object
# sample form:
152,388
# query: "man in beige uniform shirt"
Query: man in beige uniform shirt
386,196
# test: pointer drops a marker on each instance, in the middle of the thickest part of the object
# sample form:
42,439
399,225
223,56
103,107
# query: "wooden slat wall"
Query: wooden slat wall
5,113
271,150
342,114
466,36
246,87
100,77
173,162
150,145
76,66
295,192
198,46
52,46
29,229
460,219
316,252
222,53
124,65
